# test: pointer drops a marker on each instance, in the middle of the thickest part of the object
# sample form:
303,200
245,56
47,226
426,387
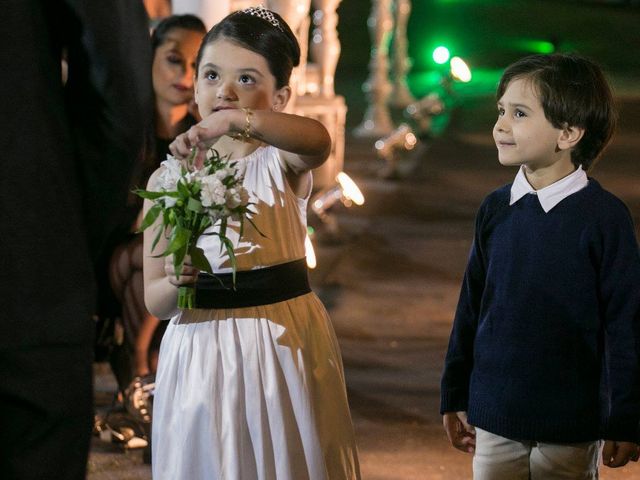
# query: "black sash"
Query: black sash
261,286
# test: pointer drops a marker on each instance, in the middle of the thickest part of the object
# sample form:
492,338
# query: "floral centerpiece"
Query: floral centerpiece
189,200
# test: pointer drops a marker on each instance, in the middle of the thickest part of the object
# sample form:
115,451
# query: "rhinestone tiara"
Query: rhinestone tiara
264,14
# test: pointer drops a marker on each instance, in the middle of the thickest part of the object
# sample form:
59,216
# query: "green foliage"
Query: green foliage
181,216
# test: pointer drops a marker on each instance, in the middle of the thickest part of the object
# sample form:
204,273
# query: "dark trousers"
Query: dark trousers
46,412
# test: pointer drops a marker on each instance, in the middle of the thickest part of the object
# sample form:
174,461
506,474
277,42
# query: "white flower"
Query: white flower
190,177
213,191
225,172
236,196
169,201
169,175
198,174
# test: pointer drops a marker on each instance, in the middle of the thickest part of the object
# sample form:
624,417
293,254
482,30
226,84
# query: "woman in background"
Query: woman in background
175,42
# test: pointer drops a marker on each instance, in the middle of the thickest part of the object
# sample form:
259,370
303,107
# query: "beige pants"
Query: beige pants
498,458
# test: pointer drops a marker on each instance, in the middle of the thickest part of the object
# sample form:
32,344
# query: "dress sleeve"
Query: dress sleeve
619,273
459,359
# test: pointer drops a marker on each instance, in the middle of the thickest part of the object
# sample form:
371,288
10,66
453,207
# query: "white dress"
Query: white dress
254,393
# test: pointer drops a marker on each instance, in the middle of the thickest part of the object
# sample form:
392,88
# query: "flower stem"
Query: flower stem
186,297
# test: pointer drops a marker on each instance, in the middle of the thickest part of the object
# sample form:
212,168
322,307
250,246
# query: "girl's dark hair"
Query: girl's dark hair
185,22
574,92
277,44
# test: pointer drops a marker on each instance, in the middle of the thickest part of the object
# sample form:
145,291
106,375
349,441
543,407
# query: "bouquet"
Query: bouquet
189,200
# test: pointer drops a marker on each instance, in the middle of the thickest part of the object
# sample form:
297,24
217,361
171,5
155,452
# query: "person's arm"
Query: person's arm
160,282
619,274
459,358
304,142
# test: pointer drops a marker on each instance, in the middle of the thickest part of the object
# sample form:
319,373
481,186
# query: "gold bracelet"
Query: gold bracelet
245,135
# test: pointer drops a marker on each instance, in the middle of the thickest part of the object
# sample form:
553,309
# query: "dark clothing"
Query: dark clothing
45,410
546,339
162,145
67,154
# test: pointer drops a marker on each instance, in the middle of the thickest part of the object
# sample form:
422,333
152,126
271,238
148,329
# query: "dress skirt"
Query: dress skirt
252,393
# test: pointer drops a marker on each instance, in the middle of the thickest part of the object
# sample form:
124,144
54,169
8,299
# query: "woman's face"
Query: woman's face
173,66
231,76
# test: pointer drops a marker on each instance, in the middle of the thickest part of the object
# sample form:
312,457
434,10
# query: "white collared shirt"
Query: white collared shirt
551,195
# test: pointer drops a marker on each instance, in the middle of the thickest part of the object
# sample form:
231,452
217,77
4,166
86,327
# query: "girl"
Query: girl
250,384
174,43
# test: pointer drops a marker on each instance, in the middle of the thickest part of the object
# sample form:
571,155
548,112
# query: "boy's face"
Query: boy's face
522,133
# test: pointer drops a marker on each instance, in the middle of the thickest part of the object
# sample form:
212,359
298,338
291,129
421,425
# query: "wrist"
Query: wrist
241,128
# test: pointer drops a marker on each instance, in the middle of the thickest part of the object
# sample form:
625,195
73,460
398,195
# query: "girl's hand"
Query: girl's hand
182,148
618,454
209,130
460,433
188,276
202,135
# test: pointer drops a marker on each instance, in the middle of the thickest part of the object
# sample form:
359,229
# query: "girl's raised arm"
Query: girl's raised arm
305,142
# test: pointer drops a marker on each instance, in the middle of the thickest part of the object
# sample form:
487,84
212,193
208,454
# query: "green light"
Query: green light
425,81
534,46
441,55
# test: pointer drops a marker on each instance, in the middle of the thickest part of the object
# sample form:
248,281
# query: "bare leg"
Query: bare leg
127,283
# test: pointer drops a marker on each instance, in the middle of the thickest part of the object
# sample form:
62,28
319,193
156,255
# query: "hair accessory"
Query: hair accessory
245,135
264,14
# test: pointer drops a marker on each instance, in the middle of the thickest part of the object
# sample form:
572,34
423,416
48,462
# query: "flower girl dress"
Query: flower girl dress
257,392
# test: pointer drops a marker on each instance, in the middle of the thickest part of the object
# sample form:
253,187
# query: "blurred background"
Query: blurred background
490,34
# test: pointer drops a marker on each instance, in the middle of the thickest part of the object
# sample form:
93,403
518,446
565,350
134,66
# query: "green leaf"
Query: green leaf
178,260
199,260
157,237
192,156
194,205
203,223
232,257
223,228
240,221
152,195
151,216
178,240
183,189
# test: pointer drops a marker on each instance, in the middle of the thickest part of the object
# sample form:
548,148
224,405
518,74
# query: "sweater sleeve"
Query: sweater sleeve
454,388
620,307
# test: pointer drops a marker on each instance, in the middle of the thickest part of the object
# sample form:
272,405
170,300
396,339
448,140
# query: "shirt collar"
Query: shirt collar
551,195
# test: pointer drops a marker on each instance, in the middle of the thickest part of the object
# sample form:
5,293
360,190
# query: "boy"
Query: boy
545,346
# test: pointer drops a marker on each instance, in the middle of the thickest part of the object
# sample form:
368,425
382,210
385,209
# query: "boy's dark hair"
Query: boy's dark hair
573,91
185,22
277,44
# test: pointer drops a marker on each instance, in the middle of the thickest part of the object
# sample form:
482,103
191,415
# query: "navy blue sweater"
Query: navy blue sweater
545,343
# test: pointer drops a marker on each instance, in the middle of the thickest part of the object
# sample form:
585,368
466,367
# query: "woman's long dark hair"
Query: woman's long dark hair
150,160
